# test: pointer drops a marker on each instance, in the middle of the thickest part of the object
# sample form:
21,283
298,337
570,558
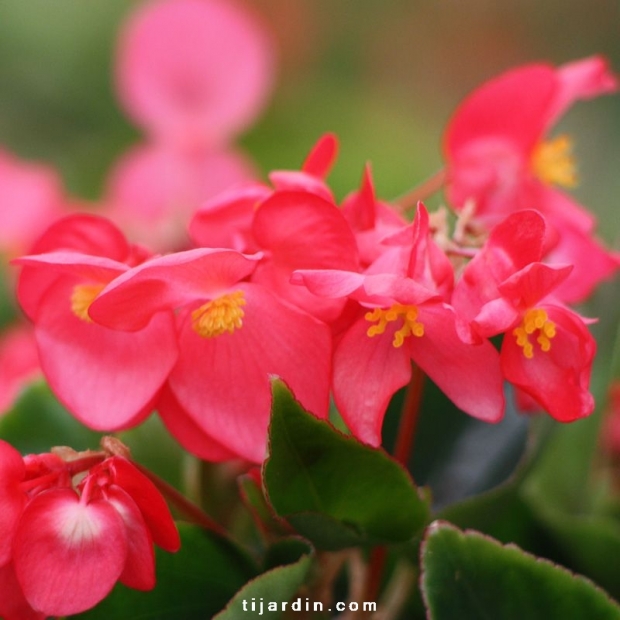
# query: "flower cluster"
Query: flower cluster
280,280
191,101
73,524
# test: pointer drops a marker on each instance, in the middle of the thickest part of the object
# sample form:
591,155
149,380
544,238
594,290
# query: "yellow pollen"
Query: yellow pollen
220,315
535,320
82,296
409,315
553,162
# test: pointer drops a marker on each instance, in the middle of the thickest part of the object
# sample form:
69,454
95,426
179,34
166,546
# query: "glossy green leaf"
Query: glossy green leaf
469,576
193,584
336,491
269,595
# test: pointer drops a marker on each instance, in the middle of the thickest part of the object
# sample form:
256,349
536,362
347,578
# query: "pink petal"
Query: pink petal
321,158
107,379
19,364
148,499
166,283
13,604
139,570
469,375
32,197
512,106
194,72
592,264
302,231
83,234
333,283
581,79
300,181
527,287
12,498
223,382
558,379
189,434
367,373
226,220
68,553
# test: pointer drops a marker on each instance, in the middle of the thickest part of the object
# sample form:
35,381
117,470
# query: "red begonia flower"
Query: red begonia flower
405,319
233,336
496,149
106,378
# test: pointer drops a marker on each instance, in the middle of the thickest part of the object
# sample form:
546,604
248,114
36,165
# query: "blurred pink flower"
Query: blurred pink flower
19,363
31,197
194,73
153,190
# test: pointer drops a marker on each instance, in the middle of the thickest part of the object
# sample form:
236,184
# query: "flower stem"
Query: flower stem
425,189
409,417
190,511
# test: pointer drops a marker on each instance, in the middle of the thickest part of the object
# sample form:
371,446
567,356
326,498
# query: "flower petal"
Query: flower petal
107,379
68,554
166,283
223,382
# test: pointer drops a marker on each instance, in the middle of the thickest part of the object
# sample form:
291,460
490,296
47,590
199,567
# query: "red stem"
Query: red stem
409,417
378,557
192,512
420,192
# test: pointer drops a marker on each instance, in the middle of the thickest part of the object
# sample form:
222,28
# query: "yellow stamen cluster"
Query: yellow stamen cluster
409,315
220,315
82,296
535,320
553,162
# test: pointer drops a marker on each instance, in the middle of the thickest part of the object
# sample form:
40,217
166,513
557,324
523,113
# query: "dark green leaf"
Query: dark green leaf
469,576
193,584
273,590
336,491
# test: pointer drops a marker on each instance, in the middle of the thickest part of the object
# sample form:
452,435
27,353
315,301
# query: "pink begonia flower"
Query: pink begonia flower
64,548
370,219
500,159
19,363
496,148
194,72
31,197
107,379
233,335
400,320
547,351
153,190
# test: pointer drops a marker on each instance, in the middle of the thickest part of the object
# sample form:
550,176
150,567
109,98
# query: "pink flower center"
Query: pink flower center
534,321
553,162
220,315
409,315
82,296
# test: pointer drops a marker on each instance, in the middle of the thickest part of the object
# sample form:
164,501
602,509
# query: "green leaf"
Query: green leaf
273,589
334,490
467,575
193,584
